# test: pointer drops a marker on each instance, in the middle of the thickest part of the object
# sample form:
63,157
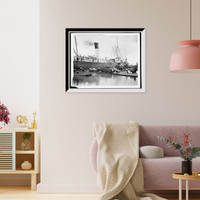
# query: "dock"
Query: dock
126,74
83,74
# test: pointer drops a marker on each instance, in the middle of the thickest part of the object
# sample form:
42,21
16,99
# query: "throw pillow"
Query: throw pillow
151,152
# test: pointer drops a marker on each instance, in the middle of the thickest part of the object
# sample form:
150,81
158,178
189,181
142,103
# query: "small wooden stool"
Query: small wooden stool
181,177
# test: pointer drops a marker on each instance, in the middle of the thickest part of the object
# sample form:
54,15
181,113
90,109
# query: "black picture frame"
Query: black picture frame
78,67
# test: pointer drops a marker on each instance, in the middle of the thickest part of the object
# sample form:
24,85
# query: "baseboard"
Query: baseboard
68,188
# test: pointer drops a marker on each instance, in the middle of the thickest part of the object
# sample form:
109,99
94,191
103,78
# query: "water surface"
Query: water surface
104,80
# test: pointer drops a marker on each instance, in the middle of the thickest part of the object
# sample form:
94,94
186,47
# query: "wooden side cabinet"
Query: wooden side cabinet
12,156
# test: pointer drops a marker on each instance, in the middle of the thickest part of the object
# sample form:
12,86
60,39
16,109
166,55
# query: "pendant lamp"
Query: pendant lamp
188,56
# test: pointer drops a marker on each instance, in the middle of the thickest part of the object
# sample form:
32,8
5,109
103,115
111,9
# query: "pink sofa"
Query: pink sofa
158,171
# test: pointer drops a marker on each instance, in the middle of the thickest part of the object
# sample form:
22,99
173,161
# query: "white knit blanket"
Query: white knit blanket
118,164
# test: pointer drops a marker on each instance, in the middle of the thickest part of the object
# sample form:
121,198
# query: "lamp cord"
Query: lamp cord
190,19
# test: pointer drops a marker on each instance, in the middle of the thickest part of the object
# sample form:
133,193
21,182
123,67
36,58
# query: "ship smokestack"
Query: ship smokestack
96,46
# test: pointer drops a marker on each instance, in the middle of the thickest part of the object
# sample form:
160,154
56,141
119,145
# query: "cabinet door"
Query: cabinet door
7,151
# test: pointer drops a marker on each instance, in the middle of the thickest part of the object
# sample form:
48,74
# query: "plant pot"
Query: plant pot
187,167
26,145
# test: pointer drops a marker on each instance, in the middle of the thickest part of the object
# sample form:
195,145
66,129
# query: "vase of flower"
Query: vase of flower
26,144
187,167
4,114
185,150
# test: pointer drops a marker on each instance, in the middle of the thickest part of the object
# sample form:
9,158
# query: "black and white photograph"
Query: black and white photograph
105,60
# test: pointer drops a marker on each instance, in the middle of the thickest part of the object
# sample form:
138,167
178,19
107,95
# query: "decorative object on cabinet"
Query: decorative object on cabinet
22,120
188,56
4,114
34,124
18,155
105,60
26,144
26,165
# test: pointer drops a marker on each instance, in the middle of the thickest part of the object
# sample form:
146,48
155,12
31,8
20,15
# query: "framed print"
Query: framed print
105,60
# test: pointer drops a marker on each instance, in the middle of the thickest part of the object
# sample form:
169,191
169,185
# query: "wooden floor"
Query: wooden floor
23,193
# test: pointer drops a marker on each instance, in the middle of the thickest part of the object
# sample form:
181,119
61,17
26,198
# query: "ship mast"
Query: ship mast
117,48
76,46
117,52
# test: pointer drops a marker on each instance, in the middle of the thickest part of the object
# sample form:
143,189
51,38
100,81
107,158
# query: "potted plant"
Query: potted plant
185,150
26,144
4,114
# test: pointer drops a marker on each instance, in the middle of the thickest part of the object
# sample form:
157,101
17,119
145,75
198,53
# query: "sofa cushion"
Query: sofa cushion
158,173
151,152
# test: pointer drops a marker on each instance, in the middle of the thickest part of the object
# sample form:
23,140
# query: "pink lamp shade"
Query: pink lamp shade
186,57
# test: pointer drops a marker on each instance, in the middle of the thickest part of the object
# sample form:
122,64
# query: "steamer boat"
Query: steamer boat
115,65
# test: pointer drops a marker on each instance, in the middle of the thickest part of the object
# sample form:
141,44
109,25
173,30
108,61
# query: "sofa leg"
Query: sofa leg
180,189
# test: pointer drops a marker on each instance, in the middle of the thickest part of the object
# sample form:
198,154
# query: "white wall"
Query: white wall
67,119
19,63
19,57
